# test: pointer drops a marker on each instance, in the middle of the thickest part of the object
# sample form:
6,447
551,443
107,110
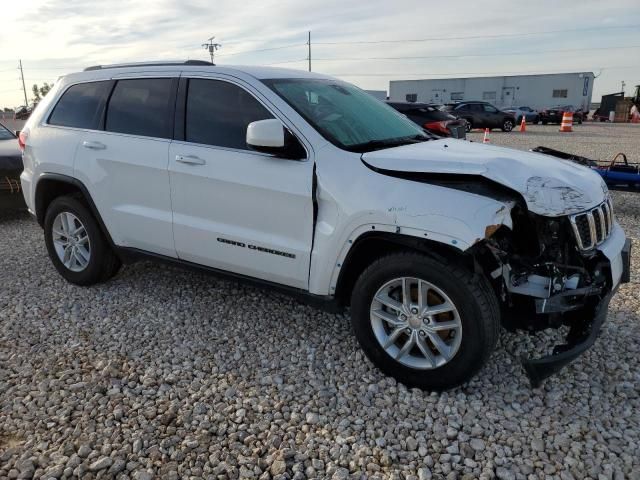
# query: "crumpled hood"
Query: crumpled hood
550,186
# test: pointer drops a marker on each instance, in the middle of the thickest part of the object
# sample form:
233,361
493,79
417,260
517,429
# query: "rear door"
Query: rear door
125,166
477,114
233,208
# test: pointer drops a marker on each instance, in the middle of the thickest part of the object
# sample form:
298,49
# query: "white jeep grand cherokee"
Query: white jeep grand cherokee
306,183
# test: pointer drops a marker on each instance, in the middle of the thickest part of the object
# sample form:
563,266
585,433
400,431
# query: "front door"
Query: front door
492,116
235,209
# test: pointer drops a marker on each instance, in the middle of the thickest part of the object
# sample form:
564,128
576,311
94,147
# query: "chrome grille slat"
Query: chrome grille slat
593,227
603,228
592,230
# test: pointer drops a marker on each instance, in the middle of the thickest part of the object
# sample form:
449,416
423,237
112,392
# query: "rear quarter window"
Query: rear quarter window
142,106
81,105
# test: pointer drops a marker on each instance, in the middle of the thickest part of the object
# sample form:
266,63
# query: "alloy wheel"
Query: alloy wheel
71,241
416,323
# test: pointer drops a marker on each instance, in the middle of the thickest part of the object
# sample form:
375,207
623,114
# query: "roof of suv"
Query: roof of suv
259,72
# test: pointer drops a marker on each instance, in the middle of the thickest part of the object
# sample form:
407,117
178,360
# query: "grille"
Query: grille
593,227
9,184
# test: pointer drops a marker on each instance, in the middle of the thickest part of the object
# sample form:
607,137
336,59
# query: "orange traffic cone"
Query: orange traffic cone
523,123
486,136
567,122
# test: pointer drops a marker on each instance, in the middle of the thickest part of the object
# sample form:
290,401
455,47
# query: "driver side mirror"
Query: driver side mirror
270,136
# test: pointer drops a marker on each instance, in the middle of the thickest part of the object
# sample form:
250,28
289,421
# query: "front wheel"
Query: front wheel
507,125
429,324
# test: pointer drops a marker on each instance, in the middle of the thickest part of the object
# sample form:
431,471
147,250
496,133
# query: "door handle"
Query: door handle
190,160
94,145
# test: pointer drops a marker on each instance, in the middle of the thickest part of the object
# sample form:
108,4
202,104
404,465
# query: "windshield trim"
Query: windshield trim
11,134
355,148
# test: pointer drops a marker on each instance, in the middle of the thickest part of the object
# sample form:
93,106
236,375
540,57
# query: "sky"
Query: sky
358,40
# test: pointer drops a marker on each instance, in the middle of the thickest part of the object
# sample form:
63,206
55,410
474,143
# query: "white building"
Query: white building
535,91
379,94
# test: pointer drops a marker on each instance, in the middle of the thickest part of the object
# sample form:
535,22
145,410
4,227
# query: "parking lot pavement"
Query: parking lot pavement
599,141
172,374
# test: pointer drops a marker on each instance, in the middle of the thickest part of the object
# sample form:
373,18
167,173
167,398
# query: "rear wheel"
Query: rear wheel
76,245
428,324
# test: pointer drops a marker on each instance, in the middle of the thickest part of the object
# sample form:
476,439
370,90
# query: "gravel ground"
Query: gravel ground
164,373
599,141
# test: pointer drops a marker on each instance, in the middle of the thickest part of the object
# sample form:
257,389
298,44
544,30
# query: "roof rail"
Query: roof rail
151,64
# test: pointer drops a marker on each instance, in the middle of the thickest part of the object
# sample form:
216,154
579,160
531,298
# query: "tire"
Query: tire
477,313
99,265
507,125
468,126
544,122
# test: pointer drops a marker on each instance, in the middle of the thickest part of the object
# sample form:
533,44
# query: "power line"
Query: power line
426,74
471,37
422,57
263,50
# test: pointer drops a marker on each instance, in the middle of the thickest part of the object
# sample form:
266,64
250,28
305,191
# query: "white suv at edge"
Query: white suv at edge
305,183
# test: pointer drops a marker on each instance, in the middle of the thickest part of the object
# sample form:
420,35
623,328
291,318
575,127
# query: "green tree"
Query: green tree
40,92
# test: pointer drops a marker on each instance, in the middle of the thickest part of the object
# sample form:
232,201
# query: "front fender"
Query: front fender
482,219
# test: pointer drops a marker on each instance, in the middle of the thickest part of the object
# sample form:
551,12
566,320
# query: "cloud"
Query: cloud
56,36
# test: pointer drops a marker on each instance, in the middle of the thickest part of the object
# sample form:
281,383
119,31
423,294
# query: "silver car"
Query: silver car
529,113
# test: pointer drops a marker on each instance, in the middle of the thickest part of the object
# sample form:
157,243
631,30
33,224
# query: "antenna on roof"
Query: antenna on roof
212,47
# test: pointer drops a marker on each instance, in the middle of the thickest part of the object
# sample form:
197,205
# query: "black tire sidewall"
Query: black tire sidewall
472,352
94,270
506,128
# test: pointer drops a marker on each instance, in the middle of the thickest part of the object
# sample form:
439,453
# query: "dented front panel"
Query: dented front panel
357,200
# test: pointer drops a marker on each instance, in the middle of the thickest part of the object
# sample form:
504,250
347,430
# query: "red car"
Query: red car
431,118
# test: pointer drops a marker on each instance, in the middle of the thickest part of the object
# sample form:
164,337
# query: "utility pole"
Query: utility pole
309,46
623,85
24,89
212,47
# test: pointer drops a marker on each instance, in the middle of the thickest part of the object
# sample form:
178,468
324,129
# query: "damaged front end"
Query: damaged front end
550,272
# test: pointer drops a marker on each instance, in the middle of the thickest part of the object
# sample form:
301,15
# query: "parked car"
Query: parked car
481,115
10,170
23,112
304,183
530,115
431,118
554,114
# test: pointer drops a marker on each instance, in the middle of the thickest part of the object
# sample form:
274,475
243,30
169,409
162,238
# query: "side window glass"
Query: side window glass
219,112
490,109
141,106
81,106
475,107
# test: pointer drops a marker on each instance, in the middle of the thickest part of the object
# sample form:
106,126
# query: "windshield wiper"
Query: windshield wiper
387,143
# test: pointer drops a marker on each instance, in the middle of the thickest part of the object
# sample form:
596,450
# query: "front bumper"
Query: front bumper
581,336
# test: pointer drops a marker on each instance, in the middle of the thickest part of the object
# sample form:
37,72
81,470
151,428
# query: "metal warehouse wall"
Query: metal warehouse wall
536,91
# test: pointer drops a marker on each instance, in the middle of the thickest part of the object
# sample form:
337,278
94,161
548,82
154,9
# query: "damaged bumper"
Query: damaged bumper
584,333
